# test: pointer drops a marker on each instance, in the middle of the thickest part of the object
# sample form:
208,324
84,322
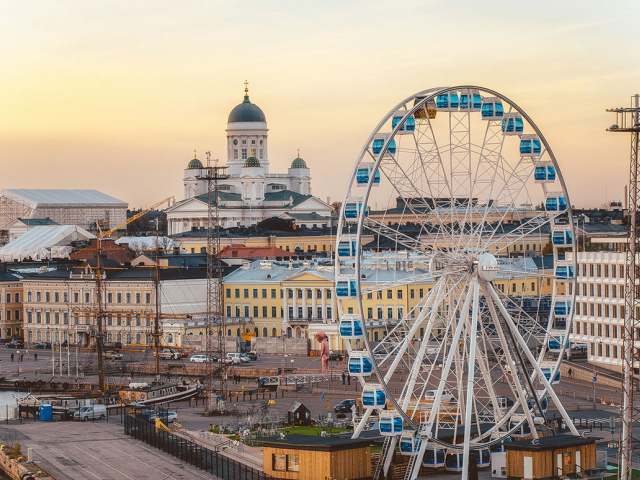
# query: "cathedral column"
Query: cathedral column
313,303
285,299
295,302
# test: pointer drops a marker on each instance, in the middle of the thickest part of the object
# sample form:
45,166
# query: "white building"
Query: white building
600,307
66,207
251,193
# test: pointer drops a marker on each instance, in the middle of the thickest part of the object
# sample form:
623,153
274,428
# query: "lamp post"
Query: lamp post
594,379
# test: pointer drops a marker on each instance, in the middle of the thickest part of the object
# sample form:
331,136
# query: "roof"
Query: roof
298,163
306,216
286,195
40,242
246,112
35,222
195,163
33,197
296,406
251,162
308,442
550,443
241,251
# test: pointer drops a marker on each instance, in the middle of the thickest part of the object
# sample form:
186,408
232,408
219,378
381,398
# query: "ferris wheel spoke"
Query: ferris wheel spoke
523,345
396,236
502,240
507,346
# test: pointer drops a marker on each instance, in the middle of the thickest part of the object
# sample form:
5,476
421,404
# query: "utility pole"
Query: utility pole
157,331
628,121
100,313
215,322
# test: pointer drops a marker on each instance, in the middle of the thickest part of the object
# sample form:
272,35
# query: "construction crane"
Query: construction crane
136,216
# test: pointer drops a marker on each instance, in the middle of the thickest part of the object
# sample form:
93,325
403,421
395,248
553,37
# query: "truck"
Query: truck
91,412
168,354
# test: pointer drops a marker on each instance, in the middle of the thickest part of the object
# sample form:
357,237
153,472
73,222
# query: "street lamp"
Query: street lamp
594,378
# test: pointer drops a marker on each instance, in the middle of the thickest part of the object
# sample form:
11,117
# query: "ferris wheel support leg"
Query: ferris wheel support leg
447,368
390,452
534,363
470,379
363,422
520,390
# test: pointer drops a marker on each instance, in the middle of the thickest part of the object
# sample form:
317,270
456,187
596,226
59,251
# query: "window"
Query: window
299,312
228,293
244,153
147,298
329,313
273,293
389,312
29,317
319,309
237,293
421,293
264,294
399,294
400,313
274,312
299,293
264,311
389,294
119,297
228,310
412,293
56,318
29,296
246,310
65,318
255,310
87,297
370,313
56,297
138,297
38,297
255,293
328,294
319,294
246,293
38,317
309,294
128,296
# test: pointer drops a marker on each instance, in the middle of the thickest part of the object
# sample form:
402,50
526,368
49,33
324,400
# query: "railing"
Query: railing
211,461
298,378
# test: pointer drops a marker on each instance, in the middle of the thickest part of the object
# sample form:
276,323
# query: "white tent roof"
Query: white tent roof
33,197
44,242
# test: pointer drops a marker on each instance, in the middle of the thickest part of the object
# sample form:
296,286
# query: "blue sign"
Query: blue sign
323,396
595,379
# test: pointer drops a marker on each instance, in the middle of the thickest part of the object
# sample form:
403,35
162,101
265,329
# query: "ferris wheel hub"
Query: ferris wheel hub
487,267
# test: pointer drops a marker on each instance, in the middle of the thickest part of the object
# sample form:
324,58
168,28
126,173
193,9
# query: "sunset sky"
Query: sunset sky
116,95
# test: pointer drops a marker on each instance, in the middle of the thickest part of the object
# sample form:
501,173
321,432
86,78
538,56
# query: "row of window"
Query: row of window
16,296
87,297
8,315
600,290
598,329
601,310
602,270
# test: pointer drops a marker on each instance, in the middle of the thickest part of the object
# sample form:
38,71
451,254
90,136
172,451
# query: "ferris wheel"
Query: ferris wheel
452,202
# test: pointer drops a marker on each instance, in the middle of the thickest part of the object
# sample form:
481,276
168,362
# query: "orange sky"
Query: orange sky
115,95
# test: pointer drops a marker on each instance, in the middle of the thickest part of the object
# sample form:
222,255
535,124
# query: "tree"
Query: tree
337,206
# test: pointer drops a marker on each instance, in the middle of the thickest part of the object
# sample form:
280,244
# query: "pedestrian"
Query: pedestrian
35,357
21,356
570,372
344,378
12,356
18,355
349,379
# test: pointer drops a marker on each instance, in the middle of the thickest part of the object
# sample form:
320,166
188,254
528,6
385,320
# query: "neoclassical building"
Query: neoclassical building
251,193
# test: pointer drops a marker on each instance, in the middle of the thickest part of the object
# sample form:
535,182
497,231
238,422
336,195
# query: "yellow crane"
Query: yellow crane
135,217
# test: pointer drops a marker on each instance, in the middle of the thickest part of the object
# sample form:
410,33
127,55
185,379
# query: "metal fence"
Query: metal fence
204,458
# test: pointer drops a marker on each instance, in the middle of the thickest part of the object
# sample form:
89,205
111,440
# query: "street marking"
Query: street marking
103,462
75,463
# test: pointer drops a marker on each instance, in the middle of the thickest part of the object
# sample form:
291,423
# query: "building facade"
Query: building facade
10,304
250,193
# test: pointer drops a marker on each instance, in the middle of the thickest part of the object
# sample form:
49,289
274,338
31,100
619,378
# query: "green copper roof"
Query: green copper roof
195,163
298,163
252,162
246,112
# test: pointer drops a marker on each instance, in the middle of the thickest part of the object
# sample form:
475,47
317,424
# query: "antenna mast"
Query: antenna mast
215,322
628,120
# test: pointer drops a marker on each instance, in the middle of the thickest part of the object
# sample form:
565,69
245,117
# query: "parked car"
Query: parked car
233,358
168,354
252,355
15,344
182,353
43,345
91,412
244,358
171,417
110,354
198,359
335,356
344,406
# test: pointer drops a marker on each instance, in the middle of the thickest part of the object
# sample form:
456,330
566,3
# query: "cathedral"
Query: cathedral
249,193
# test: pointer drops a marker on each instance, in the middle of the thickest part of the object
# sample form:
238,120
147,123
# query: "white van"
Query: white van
91,412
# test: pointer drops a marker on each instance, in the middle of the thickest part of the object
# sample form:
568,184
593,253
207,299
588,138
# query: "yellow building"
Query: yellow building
296,299
10,305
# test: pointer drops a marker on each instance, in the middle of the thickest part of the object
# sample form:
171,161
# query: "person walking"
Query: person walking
12,356
344,378
35,357
21,356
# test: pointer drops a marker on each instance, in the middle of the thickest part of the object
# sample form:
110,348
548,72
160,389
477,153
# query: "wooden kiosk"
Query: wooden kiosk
304,457
550,457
